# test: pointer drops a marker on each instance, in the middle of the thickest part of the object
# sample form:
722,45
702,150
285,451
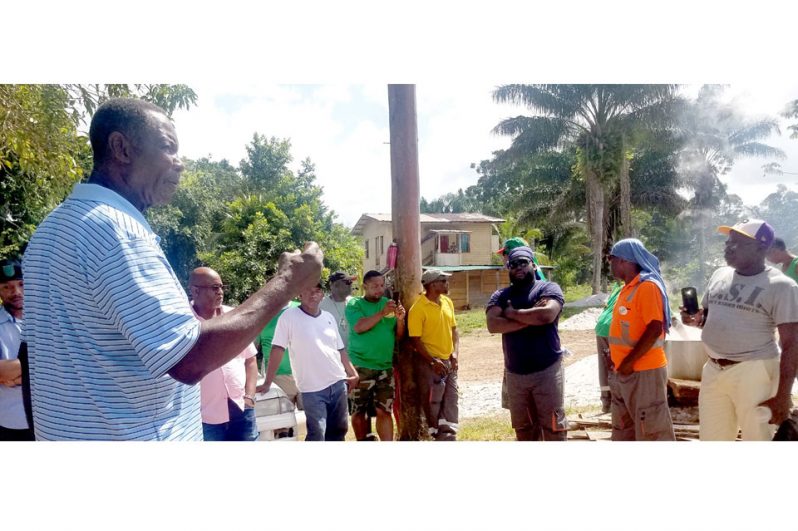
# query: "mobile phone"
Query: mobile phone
690,300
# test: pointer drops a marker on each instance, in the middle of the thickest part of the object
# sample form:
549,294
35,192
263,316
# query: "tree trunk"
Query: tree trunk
626,196
595,221
405,216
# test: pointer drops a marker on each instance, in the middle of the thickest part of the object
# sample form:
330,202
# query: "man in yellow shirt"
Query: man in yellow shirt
433,332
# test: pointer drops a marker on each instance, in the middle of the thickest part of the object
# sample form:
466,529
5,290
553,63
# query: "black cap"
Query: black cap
10,269
340,275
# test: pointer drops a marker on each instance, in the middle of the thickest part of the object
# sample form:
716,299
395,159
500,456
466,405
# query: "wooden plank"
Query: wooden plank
684,390
599,435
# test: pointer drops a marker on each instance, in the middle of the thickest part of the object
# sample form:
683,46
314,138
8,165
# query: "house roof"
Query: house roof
474,267
463,217
446,269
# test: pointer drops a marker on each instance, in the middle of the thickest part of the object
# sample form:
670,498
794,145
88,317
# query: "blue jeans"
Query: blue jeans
327,413
241,426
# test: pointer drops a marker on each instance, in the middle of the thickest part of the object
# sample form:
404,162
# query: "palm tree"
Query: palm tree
599,120
714,135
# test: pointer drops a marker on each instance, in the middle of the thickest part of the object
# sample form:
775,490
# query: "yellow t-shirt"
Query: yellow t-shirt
433,323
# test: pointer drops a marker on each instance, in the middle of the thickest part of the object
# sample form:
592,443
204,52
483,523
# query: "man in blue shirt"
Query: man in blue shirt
526,314
115,350
13,422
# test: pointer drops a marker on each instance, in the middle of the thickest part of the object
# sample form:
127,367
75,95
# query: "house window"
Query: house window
448,243
382,246
366,242
443,243
465,243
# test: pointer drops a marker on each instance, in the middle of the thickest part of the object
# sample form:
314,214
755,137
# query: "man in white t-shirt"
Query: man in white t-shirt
743,306
320,363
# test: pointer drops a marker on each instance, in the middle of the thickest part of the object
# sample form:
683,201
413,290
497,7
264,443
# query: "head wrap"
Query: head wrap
633,250
521,252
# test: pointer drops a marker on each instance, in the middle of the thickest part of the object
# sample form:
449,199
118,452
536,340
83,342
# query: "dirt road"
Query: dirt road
481,358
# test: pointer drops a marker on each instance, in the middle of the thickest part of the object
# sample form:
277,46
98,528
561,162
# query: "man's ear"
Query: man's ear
120,147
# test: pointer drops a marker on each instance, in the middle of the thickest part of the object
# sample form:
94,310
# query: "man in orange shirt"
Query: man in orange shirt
639,380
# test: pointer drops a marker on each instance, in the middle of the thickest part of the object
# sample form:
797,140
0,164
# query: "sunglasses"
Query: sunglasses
215,287
517,263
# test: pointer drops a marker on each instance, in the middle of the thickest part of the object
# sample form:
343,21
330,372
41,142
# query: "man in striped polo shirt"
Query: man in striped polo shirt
115,350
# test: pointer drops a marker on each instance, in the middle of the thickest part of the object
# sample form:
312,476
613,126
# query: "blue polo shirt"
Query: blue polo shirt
12,412
105,320
533,348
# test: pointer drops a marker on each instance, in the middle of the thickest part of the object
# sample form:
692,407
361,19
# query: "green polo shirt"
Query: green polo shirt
373,349
265,339
604,320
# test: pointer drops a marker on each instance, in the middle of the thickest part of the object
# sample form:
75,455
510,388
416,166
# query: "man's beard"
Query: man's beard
527,279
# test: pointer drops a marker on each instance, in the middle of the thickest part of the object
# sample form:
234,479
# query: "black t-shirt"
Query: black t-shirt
533,348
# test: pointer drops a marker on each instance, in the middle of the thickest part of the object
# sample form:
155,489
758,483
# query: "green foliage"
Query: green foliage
576,292
43,151
779,209
239,221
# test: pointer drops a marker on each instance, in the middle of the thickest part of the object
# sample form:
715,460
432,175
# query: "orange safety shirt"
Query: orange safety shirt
637,305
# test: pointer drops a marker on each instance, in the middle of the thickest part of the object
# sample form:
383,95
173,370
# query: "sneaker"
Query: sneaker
371,437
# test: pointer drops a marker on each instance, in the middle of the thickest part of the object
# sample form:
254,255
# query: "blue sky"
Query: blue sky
343,128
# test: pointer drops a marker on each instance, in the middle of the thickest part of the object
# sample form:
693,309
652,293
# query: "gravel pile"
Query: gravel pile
585,320
599,299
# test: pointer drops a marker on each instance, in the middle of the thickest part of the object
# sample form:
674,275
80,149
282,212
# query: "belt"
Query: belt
722,362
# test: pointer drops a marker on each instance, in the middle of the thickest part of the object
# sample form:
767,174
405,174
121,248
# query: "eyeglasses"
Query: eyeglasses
517,263
214,287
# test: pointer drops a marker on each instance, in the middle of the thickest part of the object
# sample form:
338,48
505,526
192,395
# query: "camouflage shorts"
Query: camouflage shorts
375,387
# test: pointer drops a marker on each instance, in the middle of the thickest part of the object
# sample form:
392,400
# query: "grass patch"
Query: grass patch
575,293
470,320
496,428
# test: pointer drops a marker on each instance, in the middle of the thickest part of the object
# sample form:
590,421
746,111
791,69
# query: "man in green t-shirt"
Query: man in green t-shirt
778,254
375,322
603,347
284,378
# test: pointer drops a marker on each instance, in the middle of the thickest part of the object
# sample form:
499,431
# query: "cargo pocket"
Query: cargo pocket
654,423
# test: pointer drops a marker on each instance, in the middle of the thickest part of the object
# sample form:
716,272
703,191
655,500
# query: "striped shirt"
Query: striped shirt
105,320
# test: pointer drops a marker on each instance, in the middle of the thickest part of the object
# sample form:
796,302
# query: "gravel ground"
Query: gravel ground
479,399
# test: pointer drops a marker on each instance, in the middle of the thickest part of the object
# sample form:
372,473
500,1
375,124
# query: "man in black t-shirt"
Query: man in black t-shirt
526,314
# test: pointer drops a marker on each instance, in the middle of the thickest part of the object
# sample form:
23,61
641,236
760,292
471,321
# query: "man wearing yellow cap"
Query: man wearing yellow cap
745,385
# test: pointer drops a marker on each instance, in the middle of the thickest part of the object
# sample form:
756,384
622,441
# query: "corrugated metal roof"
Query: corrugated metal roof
464,217
473,267
464,267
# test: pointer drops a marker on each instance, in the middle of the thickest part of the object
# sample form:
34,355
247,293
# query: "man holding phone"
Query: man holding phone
375,322
742,307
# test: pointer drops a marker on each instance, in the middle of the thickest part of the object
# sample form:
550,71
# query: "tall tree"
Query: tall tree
715,134
596,119
250,216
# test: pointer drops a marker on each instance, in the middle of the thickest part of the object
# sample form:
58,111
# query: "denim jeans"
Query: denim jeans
241,426
327,413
